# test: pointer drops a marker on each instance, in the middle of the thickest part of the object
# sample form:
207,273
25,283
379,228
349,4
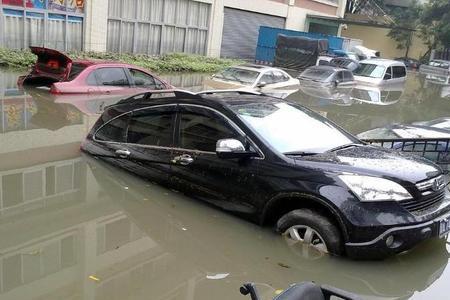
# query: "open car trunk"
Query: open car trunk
51,66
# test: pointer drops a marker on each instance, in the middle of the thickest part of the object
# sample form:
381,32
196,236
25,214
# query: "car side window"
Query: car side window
279,77
340,76
114,130
91,79
142,79
388,74
202,131
399,72
267,78
112,77
348,76
153,128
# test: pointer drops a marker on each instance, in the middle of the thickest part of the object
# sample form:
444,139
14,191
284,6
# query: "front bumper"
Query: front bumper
404,238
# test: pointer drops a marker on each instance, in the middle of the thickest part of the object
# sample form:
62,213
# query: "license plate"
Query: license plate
444,227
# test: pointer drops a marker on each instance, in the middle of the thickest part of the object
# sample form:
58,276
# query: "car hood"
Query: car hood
376,161
51,63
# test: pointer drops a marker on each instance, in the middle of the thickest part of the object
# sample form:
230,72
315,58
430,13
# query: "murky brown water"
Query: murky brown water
72,227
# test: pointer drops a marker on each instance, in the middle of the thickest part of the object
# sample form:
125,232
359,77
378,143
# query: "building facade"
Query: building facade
227,28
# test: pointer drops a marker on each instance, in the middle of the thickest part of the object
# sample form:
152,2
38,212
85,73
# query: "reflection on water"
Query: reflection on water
72,227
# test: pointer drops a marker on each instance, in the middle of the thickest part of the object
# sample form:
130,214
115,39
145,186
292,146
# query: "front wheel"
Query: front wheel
313,229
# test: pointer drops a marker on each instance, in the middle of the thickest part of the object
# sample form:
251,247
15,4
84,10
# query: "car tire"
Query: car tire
321,225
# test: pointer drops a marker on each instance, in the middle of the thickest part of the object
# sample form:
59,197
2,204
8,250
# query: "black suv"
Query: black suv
276,162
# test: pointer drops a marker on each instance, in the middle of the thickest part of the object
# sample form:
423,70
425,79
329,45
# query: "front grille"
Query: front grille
425,203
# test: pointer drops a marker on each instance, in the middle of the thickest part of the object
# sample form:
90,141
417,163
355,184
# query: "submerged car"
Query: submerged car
276,162
326,76
410,63
436,66
253,78
345,63
378,71
66,76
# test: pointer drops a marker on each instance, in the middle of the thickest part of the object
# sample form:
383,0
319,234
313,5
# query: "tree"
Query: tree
434,24
406,22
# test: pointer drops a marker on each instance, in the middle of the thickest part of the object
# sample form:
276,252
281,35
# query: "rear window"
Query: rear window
316,74
75,71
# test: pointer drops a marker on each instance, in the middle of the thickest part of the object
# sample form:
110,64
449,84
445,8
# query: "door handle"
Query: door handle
184,160
123,153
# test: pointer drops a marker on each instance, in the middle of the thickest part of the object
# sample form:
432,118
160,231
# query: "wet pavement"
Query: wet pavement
72,227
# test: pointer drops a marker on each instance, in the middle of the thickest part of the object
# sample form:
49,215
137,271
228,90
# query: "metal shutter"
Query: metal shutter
240,32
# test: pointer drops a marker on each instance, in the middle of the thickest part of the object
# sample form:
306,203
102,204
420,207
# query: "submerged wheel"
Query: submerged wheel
310,228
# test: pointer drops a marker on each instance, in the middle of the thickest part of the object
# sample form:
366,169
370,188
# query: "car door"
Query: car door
112,80
388,75
227,183
140,141
398,74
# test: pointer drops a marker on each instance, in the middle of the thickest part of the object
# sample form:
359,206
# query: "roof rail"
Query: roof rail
241,92
148,95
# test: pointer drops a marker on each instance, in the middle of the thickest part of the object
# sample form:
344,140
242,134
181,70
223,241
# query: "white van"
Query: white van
377,71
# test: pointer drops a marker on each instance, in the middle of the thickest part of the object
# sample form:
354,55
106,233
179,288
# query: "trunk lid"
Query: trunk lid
51,64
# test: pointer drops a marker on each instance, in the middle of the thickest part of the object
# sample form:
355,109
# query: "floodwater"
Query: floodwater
72,227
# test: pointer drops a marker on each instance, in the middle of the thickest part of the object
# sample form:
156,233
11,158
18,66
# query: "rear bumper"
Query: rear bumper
404,238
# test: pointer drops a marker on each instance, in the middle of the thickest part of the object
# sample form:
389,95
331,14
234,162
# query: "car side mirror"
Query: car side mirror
387,76
232,148
261,84
337,82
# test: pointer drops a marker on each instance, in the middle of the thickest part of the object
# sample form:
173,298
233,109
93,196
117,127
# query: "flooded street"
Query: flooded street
73,227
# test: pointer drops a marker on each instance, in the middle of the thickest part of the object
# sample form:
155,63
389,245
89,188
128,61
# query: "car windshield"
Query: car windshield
239,75
316,74
369,70
292,129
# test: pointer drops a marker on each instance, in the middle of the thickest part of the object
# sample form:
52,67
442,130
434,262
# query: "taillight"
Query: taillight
54,89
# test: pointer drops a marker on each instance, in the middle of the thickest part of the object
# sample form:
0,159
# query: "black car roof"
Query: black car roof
212,99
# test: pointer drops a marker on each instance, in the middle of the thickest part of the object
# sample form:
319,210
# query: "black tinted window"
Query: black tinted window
201,132
112,76
75,70
388,74
399,72
151,129
114,131
348,76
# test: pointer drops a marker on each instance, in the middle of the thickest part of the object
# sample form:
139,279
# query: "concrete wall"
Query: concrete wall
295,12
376,38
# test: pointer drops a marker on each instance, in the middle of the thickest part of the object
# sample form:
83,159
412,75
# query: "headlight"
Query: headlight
369,188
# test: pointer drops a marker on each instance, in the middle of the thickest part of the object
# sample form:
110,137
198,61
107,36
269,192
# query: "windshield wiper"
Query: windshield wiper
344,146
300,153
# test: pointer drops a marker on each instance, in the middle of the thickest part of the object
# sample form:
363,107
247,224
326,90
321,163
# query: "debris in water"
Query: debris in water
184,229
218,276
125,187
283,265
94,278
277,292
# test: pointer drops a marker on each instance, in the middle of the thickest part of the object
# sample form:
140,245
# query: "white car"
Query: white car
253,78
378,71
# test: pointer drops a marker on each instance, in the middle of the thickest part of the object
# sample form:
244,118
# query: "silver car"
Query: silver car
378,71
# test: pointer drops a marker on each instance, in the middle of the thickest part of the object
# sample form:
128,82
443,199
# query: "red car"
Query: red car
65,76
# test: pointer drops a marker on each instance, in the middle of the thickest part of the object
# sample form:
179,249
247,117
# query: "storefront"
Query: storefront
54,24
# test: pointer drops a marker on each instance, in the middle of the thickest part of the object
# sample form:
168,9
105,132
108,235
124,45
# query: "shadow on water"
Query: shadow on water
73,227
